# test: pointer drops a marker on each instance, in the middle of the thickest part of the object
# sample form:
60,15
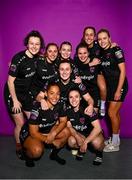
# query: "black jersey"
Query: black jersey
46,119
65,88
95,51
88,75
80,121
110,59
23,68
44,72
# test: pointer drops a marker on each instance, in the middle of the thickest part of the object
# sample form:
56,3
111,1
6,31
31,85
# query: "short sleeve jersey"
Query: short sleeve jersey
88,75
44,72
65,88
23,68
46,119
80,121
95,51
110,59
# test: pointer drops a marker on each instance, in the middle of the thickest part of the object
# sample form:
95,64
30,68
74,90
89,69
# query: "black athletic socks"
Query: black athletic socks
54,156
29,162
79,156
19,151
22,155
99,158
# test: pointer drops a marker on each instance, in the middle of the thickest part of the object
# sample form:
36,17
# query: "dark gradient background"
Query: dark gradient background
60,20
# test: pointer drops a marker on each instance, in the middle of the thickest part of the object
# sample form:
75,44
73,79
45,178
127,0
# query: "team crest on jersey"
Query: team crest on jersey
92,69
56,116
82,120
108,55
119,54
13,67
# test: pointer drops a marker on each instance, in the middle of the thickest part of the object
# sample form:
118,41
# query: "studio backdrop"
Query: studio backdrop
64,20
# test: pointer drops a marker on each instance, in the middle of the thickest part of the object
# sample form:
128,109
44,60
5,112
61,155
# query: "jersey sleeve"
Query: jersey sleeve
74,68
93,117
82,88
119,54
34,117
15,65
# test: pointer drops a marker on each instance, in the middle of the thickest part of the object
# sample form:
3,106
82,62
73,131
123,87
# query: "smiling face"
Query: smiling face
89,36
74,99
51,53
104,40
65,71
83,54
53,95
34,45
65,51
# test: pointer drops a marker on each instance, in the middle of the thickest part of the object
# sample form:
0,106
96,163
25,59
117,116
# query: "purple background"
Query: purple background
60,20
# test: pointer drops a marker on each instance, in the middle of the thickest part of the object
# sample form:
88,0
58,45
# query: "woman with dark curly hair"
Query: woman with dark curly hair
21,72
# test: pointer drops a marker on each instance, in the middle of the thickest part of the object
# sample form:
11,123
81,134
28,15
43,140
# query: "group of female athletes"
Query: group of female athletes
62,99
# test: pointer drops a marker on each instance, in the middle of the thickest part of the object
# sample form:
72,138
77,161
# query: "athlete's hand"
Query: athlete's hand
117,95
50,138
83,147
95,62
40,96
77,80
16,106
44,104
89,110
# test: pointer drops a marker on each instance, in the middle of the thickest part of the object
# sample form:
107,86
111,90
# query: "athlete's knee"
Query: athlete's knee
111,114
98,143
66,132
102,88
36,151
71,141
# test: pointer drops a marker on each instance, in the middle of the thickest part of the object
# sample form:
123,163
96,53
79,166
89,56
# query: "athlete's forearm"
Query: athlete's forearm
89,99
61,125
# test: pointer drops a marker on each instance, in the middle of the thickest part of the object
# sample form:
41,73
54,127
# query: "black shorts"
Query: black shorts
111,89
25,99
